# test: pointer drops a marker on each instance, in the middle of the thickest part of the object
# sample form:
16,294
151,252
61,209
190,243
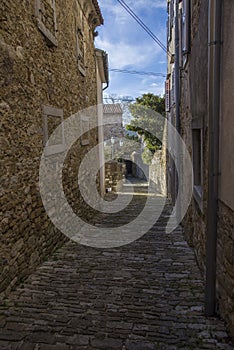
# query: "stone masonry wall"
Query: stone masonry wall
114,175
35,73
225,265
194,113
157,173
113,126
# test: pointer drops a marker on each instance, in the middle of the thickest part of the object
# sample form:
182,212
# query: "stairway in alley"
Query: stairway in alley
146,295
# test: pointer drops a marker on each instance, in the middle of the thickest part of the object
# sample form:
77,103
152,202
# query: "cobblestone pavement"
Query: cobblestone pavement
147,295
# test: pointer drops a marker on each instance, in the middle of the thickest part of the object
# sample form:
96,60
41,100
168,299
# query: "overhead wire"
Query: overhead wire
144,26
119,99
136,72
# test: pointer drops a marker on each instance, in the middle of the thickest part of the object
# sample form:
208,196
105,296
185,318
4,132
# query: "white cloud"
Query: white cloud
122,54
129,47
122,16
147,4
111,5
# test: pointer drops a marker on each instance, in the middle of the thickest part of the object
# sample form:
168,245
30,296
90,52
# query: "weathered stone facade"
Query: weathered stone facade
157,173
194,120
113,119
40,64
140,170
225,264
114,172
193,114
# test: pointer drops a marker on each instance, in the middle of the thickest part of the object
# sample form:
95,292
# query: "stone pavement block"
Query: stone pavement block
28,346
147,295
41,337
107,344
78,340
56,346
131,345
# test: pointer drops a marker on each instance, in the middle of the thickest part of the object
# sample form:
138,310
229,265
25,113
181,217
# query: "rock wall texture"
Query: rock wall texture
139,168
225,253
194,115
225,264
113,120
114,175
157,173
38,68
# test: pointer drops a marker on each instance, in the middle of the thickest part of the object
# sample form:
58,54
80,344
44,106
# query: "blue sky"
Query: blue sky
130,47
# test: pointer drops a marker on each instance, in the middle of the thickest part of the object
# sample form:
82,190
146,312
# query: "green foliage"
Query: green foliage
145,121
147,156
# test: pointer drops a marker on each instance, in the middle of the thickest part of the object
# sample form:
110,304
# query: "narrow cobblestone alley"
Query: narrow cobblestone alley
147,295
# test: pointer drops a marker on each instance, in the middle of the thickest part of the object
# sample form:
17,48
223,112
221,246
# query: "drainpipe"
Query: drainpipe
177,66
177,106
214,51
107,85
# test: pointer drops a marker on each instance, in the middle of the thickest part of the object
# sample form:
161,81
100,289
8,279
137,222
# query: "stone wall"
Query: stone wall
114,175
225,265
36,71
140,170
157,173
194,115
113,120
225,253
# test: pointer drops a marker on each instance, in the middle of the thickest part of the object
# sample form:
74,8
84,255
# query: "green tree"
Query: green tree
146,120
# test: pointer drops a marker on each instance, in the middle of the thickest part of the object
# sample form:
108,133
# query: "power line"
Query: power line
137,72
144,26
119,99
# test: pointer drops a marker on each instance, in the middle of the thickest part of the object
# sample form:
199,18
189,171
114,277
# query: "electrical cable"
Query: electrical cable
137,72
144,26
118,99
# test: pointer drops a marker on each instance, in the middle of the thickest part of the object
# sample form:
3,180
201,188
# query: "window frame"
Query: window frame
80,46
49,111
85,140
197,159
50,37
172,87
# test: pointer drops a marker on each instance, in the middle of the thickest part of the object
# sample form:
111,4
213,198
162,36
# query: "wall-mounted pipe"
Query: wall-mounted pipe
177,66
177,111
107,85
214,53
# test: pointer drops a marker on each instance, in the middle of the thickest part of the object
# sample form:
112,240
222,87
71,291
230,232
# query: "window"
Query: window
52,118
171,13
197,163
85,128
185,26
46,20
180,37
167,95
172,94
80,46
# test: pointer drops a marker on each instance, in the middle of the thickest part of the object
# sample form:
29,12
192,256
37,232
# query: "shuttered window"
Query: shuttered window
46,20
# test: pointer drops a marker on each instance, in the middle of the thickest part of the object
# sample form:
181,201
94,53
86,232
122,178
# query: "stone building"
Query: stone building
202,48
113,119
48,72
